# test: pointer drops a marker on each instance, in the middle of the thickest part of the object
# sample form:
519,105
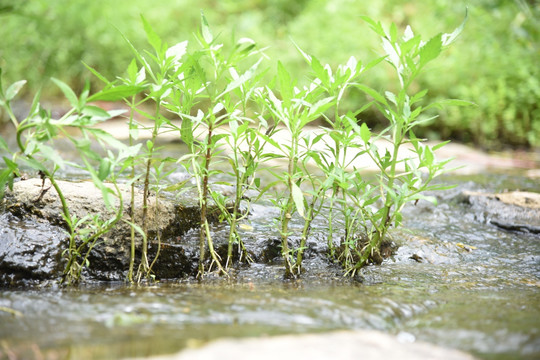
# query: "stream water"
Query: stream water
477,289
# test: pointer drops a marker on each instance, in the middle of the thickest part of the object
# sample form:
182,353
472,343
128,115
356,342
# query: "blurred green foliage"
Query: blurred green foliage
494,64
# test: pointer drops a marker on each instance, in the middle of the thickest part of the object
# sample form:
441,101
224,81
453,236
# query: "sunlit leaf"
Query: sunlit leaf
14,89
375,26
372,92
298,198
365,133
240,80
177,51
430,50
117,93
104,169
321,106
96,73
448,39
95,111
285,84
205,29
438,146
68,93
153,38
3,144
186,132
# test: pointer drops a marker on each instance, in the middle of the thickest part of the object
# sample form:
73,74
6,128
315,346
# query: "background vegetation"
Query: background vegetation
494,64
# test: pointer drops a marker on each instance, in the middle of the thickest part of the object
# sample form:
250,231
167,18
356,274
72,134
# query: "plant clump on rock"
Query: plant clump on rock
214,100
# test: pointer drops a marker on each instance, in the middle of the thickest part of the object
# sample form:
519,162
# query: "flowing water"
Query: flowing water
472,287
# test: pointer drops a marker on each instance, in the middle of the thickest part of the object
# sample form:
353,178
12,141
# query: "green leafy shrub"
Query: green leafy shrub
217,93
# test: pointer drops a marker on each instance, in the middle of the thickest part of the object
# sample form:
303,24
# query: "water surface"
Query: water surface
482,298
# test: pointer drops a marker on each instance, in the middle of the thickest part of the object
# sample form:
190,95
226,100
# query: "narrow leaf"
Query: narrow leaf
438,146
298,198
430,50
448,39
96,73
153,38
117,93
205,29
365,133
96,111
68,93
186,132
285,84
13,89
373,93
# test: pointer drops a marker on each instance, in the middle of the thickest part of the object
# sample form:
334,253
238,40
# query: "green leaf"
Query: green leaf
375,26
132,71
51,154
68,93
96,73
429,157
32,163
241,79
12,166
321,106
430,50
448,39
14,89
365,133
374,63
393,32
298,198
96,111
6,176
390,96
3,144
373,93
418,96
104,169
117,93
107,138
285,84
153,38
205,29
438,146
177,51
34,108
186,132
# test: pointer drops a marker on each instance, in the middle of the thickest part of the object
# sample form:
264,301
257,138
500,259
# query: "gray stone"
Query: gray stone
343,345
32,248
515,210
29,251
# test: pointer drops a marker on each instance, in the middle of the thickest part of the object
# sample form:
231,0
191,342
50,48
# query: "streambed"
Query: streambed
456,281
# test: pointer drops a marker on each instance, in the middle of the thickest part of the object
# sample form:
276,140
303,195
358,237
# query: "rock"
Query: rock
515,210
343,345
29,251
26,248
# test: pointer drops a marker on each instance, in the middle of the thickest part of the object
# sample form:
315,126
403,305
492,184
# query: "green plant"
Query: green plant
407,55
291,114
214,79
36,135
227,119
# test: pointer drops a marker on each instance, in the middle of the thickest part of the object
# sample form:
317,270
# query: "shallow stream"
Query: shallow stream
476,288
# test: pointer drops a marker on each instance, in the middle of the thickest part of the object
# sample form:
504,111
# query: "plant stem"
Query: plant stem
132,198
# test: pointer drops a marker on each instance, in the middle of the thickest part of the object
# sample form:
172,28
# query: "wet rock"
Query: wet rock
516,210
29,251
32,249
344,345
